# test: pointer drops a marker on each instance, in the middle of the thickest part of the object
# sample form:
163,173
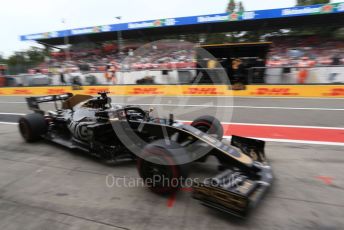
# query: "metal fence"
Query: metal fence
296,75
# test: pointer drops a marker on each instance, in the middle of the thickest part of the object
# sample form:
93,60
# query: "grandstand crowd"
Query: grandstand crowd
106,57
305,51
298,51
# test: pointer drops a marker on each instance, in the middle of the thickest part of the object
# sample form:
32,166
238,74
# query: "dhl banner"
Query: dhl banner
327,91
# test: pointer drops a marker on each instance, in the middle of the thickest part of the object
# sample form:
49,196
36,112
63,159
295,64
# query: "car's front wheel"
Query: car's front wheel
163,166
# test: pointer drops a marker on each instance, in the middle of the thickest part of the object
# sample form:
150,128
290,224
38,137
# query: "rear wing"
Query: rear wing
33,102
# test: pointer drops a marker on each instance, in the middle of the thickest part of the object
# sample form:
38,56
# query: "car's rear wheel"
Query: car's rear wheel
210,125
32,126
163,166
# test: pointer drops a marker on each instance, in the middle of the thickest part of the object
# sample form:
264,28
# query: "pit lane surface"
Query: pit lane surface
44,186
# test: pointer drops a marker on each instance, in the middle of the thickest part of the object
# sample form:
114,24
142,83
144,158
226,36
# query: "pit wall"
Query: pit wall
273,76
320,91
316,75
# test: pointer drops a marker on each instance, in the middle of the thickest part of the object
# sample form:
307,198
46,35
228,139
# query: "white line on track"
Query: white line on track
241,107
272,125
12,102
200,96
207,105
247,124
288,108
20,114
286,126
20,102
220,106
295,141
277,97
8,123
264,139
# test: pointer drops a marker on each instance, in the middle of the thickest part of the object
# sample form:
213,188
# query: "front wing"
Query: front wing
237,191
233,191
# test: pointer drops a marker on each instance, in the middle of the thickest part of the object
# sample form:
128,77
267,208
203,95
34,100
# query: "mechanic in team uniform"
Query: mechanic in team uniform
236,73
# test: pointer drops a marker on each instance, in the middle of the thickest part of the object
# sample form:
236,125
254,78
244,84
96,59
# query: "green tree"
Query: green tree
231,6
311,2
2,59
36,55
241,7
20,62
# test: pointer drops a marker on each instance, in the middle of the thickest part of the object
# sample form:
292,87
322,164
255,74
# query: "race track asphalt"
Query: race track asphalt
280,111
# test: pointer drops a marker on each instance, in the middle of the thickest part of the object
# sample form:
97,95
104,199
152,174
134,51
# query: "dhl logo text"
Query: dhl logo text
146,91
202,91
335,92
274,92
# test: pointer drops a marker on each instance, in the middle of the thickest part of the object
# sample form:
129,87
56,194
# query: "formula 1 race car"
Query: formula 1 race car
163,148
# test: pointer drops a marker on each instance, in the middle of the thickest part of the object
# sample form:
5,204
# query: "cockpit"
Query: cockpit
97,103
101,102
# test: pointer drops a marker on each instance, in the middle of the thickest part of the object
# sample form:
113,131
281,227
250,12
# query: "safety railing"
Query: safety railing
296,75
121,77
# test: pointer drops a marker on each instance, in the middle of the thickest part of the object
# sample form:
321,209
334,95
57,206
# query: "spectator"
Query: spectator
304,65
288,49
336,59
62,77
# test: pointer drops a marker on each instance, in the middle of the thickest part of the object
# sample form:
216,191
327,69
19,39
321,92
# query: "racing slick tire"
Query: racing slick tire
210,125
163,166
32,126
